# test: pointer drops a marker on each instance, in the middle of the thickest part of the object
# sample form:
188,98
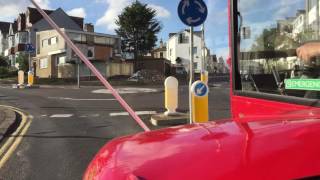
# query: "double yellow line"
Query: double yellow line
15,138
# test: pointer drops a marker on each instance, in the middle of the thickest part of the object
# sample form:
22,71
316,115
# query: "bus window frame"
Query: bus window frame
236,77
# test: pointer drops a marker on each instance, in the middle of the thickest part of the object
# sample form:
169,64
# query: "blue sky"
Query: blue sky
103,12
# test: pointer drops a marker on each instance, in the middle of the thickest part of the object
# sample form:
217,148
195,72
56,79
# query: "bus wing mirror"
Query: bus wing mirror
245,33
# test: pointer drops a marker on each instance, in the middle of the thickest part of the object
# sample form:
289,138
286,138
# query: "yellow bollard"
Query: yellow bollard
200,101
20,77
171,95
30,78
205,76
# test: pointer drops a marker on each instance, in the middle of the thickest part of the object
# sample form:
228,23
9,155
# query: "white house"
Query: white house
178,49
299,23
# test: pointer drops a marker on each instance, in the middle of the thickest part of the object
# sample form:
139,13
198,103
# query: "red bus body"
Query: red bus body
264,139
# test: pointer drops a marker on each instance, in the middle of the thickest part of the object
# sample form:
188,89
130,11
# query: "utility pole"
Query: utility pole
78,72
191,74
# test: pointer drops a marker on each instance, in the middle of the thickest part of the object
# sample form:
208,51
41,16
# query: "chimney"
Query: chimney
88,27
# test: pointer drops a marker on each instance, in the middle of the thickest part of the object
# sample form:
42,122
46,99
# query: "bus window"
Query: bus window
270,34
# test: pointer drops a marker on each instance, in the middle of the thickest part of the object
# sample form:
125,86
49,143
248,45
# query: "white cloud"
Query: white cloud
161,11
45,4
115,7
78,12
10,9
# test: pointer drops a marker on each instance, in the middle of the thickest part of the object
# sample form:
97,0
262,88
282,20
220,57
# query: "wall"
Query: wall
44,73
51,48
116,69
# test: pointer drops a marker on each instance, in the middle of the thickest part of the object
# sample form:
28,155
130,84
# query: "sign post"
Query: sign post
200,110
192,13
30,49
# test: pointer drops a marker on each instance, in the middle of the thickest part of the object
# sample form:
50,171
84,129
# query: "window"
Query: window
45,43
183,39
161,54
75,36
61,60
267,60
44,63
53,40
195,50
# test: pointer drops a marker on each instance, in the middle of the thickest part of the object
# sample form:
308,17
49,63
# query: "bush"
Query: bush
3,71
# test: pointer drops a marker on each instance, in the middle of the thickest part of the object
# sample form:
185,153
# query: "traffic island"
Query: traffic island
170,120
7,122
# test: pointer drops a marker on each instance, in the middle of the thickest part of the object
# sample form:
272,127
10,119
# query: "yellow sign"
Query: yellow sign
200,101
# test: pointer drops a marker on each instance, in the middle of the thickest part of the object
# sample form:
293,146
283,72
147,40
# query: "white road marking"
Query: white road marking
137,112
72,99
61,115
127,91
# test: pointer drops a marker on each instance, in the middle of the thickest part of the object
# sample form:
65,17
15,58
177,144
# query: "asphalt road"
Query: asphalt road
70,125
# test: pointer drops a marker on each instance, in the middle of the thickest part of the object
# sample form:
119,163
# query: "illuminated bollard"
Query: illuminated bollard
200,101
30,78
205,77
171,95
20,77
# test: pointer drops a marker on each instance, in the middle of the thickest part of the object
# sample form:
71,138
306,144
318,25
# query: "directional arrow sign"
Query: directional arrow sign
200,89
192,12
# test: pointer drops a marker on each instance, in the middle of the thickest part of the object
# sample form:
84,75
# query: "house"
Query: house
24,29
160,52
299,23
4,31
178,49
54,59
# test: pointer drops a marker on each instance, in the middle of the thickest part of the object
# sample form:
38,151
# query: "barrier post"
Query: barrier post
205,77
171,95
20,78
200,101
30,78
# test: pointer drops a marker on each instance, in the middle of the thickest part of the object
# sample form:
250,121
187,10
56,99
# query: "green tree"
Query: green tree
271,39
3,61
22,60
138,28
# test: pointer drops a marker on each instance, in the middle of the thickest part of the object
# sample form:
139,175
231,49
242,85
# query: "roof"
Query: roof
4,27
198,33
35,16
159,49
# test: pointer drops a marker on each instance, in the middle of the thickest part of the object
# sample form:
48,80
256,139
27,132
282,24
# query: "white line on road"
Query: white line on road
61,115
72,99
137,112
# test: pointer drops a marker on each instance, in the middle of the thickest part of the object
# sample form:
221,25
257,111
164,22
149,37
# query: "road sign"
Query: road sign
192,12
30,48
200,89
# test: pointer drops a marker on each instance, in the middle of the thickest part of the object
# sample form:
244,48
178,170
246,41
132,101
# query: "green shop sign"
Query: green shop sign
303,84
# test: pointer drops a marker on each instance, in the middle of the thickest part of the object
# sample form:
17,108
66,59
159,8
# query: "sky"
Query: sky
102,13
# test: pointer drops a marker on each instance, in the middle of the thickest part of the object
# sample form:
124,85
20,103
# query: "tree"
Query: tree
137,29
3,61
22,60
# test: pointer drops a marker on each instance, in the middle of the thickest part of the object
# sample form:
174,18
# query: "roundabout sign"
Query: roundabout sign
192,12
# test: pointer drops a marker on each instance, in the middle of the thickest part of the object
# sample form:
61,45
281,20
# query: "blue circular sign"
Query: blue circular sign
192,12
200,89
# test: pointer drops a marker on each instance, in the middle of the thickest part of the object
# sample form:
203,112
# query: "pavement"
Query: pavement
7,121
70,125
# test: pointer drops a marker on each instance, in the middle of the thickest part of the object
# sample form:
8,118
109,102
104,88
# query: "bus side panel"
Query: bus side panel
249,107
